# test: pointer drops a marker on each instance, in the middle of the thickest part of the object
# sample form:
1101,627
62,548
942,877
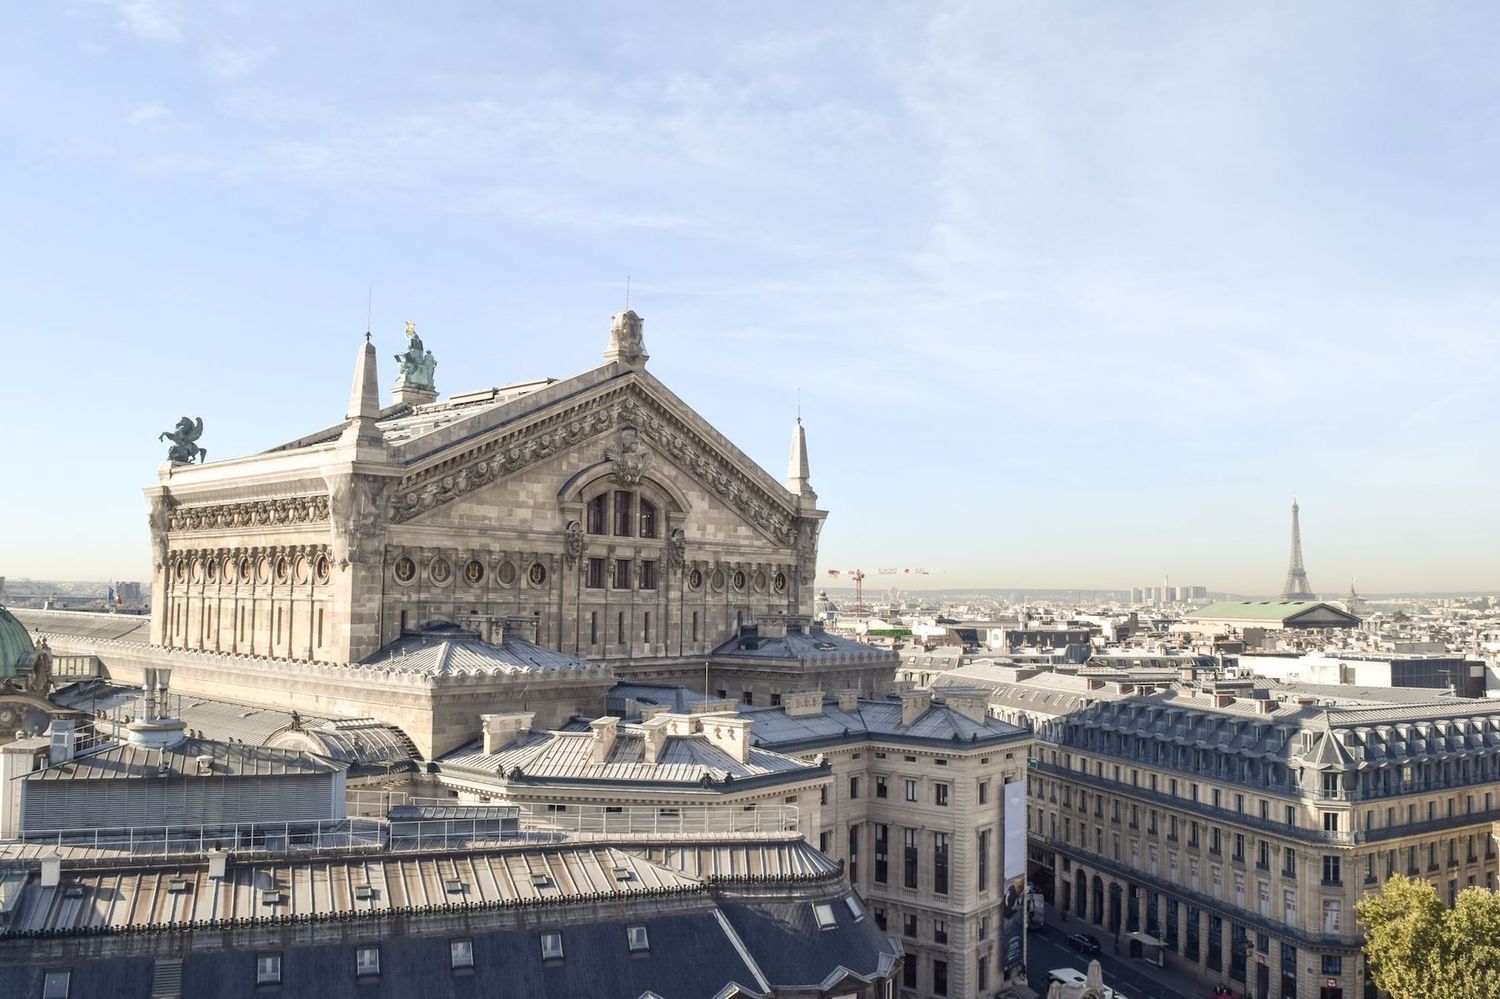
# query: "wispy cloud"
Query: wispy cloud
154,20
148,115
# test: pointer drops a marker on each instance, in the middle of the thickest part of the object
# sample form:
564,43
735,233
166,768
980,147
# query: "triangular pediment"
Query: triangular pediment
625,427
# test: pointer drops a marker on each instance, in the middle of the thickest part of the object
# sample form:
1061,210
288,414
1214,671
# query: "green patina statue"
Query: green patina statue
416,365
184,440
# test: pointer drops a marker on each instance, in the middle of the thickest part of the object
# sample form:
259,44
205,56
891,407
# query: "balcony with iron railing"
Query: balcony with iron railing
1305,834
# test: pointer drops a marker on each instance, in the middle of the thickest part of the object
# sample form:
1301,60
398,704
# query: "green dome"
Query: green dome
15,642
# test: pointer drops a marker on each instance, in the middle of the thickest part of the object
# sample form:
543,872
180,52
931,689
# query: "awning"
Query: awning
1144,939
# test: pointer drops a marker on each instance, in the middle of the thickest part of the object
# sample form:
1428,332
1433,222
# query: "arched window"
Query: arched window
596,514
624,507
624,514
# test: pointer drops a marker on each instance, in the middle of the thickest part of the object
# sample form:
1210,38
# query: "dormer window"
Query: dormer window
552,947
823,913
367,962
268,969
637,939
55,984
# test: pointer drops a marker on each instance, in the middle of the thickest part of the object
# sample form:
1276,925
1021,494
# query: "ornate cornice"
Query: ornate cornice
628,409
287,510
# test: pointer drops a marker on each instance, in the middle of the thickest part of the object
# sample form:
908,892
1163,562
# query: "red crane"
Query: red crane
858,576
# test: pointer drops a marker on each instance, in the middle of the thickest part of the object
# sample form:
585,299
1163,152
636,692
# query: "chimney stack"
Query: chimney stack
914,704
500,730
803,703
732,735
603,731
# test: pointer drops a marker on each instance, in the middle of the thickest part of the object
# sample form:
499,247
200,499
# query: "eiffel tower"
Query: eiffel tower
1296,586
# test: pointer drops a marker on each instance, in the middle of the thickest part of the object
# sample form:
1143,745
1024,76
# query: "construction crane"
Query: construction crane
857,576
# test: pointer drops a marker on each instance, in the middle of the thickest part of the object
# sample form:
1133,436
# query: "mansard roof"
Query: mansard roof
940,725
1329,754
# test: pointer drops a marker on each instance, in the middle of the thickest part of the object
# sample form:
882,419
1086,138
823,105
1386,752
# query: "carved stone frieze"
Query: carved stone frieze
506,455
228,567
253,513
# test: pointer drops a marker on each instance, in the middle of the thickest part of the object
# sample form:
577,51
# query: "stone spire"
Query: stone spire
364,398
626,342
796,466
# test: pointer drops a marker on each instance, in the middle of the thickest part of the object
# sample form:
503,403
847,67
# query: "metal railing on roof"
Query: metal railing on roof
594,821
425,830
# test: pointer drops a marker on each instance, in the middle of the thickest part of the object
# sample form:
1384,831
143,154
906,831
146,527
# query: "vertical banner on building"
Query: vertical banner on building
1013,941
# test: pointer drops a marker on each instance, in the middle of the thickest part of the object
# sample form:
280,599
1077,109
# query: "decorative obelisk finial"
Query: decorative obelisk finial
796,465
1296,586
364,400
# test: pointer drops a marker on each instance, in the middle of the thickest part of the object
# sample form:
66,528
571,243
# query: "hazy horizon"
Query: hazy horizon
1074,294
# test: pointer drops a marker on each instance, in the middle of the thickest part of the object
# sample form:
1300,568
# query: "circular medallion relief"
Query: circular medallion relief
695,579
779,582
321,569
474,572
537,574
181,570
760,582
440,570
283,570
405,569
246,570
300,568
717,579
213,571
263,569
507,573
739,579
195,569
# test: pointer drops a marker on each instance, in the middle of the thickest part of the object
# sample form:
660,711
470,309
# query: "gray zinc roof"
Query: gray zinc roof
125,761
447,650
811,646
938,724
685,759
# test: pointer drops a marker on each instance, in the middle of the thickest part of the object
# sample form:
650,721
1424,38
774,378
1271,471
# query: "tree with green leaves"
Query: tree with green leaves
1418,948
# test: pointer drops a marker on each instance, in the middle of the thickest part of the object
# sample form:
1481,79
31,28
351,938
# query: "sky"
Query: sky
1074,295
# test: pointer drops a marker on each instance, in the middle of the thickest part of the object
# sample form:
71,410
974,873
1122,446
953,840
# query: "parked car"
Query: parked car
1084,943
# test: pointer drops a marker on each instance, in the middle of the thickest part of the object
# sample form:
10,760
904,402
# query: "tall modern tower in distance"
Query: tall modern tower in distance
1296,586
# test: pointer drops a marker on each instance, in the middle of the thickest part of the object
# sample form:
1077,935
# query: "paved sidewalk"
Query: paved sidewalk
1125,973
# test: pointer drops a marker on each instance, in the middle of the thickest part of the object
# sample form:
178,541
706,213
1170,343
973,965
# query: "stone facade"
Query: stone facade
601,505
1242,835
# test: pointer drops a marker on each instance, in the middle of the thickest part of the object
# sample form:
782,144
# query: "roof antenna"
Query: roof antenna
799,405
369,311
627,292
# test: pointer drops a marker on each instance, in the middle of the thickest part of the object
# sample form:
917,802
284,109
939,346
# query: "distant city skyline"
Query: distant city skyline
1071,296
